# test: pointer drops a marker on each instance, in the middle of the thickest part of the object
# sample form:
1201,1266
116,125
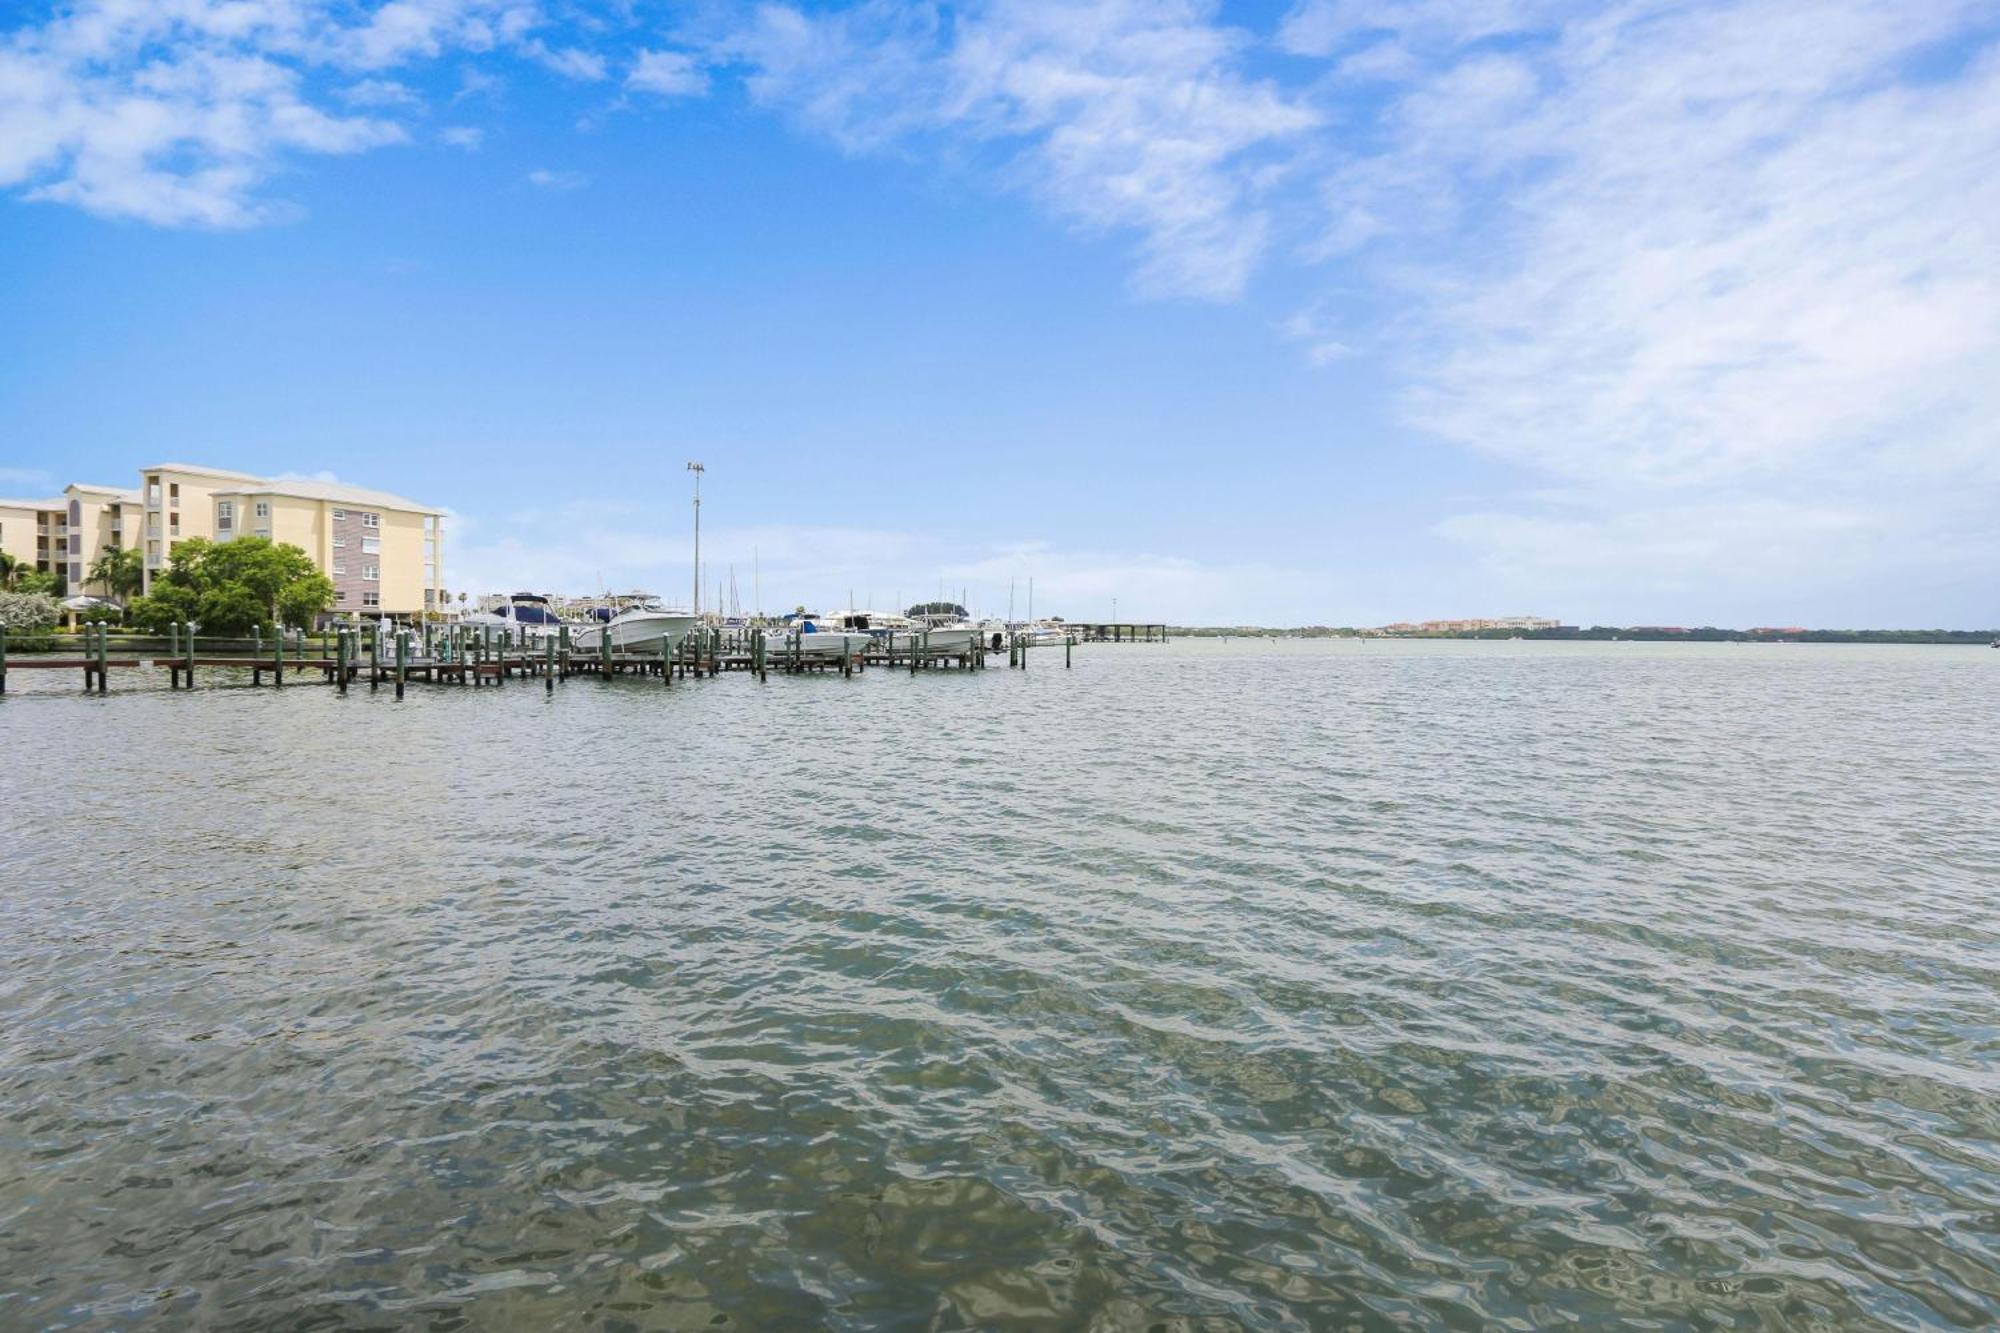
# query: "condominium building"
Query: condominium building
36,533
385,554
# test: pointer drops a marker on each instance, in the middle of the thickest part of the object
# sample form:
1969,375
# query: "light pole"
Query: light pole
697,469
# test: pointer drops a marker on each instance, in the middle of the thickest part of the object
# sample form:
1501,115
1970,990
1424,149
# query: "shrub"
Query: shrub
26,612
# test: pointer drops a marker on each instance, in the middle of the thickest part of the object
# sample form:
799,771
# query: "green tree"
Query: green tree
168,604
120,572
231,587
37,581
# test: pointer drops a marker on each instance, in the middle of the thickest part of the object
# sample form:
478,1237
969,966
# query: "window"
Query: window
265,533
338,541
371,599
153,492
372,572
340,513
174,524
371,520
225,516
371,546
173,492
339,569
263,509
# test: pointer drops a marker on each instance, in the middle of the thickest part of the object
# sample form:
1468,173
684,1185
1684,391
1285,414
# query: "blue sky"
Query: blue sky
1343,311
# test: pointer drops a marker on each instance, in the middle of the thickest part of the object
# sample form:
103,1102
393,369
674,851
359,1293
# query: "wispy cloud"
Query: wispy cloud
1117,114
179,114
466,137
1724,269
668,74
545,179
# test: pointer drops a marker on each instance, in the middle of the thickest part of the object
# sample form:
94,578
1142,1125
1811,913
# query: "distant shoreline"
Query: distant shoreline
1611,633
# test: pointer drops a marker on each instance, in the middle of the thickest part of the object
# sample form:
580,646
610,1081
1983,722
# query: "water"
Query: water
1297,985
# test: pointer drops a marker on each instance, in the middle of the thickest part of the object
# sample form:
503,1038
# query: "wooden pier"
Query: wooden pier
383,655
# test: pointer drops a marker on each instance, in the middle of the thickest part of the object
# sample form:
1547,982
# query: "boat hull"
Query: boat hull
636,632
820,645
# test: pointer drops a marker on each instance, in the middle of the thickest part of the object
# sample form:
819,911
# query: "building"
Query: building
96,517
36,533
385,554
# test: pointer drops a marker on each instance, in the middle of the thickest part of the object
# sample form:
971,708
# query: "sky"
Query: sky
1329,312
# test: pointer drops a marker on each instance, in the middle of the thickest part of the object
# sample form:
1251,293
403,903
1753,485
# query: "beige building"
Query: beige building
36,533
385,554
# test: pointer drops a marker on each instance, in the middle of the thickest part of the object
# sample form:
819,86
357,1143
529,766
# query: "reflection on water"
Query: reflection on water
1208,986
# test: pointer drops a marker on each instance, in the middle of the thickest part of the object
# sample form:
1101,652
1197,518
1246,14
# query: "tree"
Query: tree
120,572
28,612
232,587
38,581
10,569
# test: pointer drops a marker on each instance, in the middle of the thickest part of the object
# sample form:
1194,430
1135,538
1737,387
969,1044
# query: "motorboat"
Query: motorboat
807,636
1047,634
638,629
528,614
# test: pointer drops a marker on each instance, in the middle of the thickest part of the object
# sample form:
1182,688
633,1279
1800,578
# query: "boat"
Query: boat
1047,634
638,629
803,633
528,614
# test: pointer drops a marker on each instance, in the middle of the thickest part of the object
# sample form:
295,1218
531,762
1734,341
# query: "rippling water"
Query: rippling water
1295,985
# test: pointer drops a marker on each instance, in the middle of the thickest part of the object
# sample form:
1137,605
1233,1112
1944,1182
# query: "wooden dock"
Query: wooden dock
469,656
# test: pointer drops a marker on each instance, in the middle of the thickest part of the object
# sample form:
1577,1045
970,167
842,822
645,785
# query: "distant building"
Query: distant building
36,533
1470,626
385,554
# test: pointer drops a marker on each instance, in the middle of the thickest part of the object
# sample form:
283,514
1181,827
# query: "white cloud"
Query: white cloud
1119,114
466,137
570,62
179,113
669,74
545,179
1726,269
379,93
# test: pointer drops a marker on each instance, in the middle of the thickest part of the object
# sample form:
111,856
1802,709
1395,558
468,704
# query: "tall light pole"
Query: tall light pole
697,469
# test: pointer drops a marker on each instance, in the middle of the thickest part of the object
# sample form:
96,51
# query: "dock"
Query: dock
381,655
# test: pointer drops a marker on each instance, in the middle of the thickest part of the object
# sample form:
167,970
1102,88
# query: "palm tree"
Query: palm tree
118,571
10,570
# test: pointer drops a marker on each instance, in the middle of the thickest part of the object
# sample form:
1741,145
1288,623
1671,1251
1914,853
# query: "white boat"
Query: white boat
1046,636
809,640
528,615
640,630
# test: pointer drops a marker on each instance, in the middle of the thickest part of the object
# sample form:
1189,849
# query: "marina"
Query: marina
380,653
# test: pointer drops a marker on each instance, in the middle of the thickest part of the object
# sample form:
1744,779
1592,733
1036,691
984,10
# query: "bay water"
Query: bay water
1214,985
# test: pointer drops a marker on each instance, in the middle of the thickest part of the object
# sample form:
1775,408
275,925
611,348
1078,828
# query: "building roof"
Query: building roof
57,503
202,471
303,488
123,495
306,488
